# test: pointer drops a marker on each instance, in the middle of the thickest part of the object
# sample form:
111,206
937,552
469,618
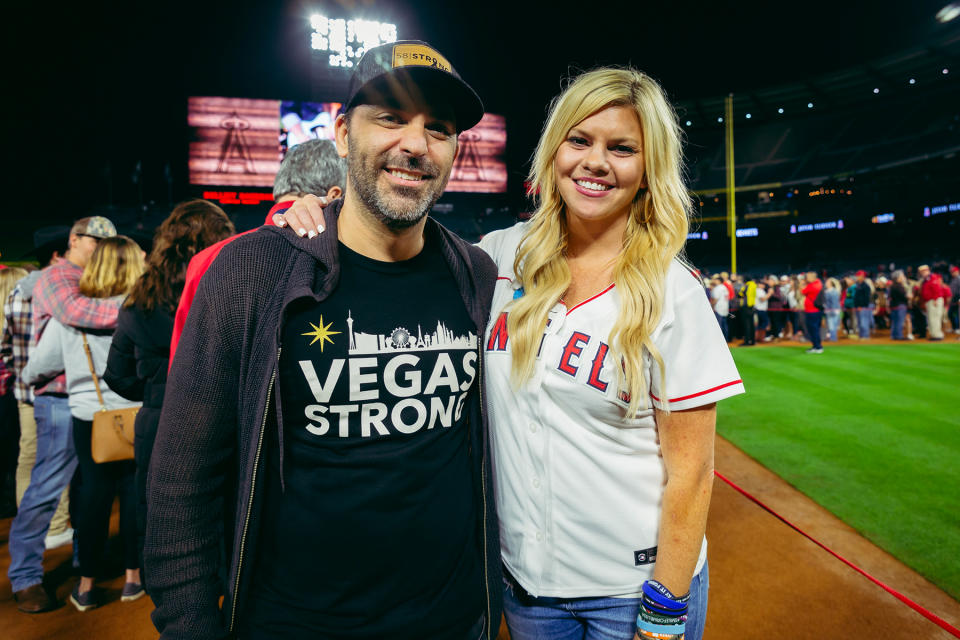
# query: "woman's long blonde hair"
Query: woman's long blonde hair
655,235
113,268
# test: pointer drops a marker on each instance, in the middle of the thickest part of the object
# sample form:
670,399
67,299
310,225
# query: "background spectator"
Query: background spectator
954,311
898,305
918,312
931,297
9,420
761,306
862,294
720,298
111,272
831,308
849,309
748,298
813,314
140,352
56,295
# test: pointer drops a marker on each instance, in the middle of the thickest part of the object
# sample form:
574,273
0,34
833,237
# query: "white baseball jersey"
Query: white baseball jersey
579,485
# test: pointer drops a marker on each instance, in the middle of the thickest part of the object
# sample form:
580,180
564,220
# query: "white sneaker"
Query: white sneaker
59,540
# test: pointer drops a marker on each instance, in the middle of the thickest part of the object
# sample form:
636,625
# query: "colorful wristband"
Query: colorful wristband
659,618
661,594
656,607
648,629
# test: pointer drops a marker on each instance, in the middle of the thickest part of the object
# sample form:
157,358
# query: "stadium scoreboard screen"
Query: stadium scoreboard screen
240,142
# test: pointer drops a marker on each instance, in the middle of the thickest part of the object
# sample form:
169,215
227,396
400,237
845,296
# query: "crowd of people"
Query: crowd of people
354,424
93,330
910,303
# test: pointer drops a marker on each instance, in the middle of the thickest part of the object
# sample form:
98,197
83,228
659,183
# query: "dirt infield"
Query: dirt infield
786,586
768,582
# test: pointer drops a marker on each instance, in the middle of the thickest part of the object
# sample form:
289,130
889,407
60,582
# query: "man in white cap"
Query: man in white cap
56,294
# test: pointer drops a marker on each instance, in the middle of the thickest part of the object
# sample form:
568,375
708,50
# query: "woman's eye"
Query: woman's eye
625,149
577,141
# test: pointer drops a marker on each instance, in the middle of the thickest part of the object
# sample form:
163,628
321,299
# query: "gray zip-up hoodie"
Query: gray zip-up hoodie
61,349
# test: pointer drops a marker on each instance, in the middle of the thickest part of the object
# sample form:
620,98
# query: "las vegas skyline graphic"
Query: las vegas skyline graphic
399,340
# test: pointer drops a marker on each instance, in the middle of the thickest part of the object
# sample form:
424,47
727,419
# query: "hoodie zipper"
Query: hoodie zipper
483,485
253,489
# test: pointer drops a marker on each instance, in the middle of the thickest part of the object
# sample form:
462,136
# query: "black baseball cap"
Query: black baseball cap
405,65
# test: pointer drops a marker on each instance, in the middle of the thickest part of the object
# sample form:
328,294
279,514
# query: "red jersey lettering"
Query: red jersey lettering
498,335
594,380
574,348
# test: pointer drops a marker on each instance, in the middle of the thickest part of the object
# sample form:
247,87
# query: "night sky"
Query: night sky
106,86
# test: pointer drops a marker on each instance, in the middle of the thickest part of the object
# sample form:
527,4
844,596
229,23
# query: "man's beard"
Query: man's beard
401,207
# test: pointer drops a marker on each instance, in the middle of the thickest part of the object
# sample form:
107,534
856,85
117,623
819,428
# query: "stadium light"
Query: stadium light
748,116
876,89
347,40
809,105
949,12
780,110
720,119
913,81
945,71
689,123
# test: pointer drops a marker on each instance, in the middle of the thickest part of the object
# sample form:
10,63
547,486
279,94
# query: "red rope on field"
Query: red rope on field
943,624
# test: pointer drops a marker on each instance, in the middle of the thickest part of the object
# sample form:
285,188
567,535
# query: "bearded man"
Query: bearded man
323,416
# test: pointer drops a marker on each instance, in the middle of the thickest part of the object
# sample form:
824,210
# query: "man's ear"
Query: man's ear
334,192
340,129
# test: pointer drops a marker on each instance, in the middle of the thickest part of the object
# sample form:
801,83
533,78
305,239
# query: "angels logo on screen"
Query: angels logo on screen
480,166
241,141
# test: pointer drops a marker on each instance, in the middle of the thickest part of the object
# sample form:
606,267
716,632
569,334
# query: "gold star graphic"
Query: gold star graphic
321,333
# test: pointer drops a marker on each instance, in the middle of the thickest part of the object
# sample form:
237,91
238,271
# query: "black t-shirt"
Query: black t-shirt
375,533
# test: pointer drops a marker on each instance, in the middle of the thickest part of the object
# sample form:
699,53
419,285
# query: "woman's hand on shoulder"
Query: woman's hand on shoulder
305,217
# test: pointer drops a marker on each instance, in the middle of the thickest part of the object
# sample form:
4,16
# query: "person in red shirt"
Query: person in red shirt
310,167
933,293
813,313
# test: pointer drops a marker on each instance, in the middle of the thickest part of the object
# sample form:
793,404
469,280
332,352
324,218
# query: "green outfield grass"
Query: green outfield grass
872,433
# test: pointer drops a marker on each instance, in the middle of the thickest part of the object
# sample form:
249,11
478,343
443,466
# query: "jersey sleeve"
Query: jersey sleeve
699,369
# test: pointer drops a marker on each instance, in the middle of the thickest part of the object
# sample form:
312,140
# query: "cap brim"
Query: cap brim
426,85
55,244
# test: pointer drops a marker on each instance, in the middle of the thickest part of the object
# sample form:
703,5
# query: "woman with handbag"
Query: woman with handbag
112,271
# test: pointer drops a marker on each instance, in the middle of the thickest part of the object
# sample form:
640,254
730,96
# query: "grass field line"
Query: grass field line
872,433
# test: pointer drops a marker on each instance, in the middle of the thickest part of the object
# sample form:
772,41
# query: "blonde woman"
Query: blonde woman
114,267
603,364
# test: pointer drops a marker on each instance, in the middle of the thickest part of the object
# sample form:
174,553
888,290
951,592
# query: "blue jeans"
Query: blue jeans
763,320
722,320
56,462
530,618
864,321
813,320
897,316
833,321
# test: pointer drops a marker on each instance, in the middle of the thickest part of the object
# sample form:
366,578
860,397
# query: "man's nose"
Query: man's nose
413,139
